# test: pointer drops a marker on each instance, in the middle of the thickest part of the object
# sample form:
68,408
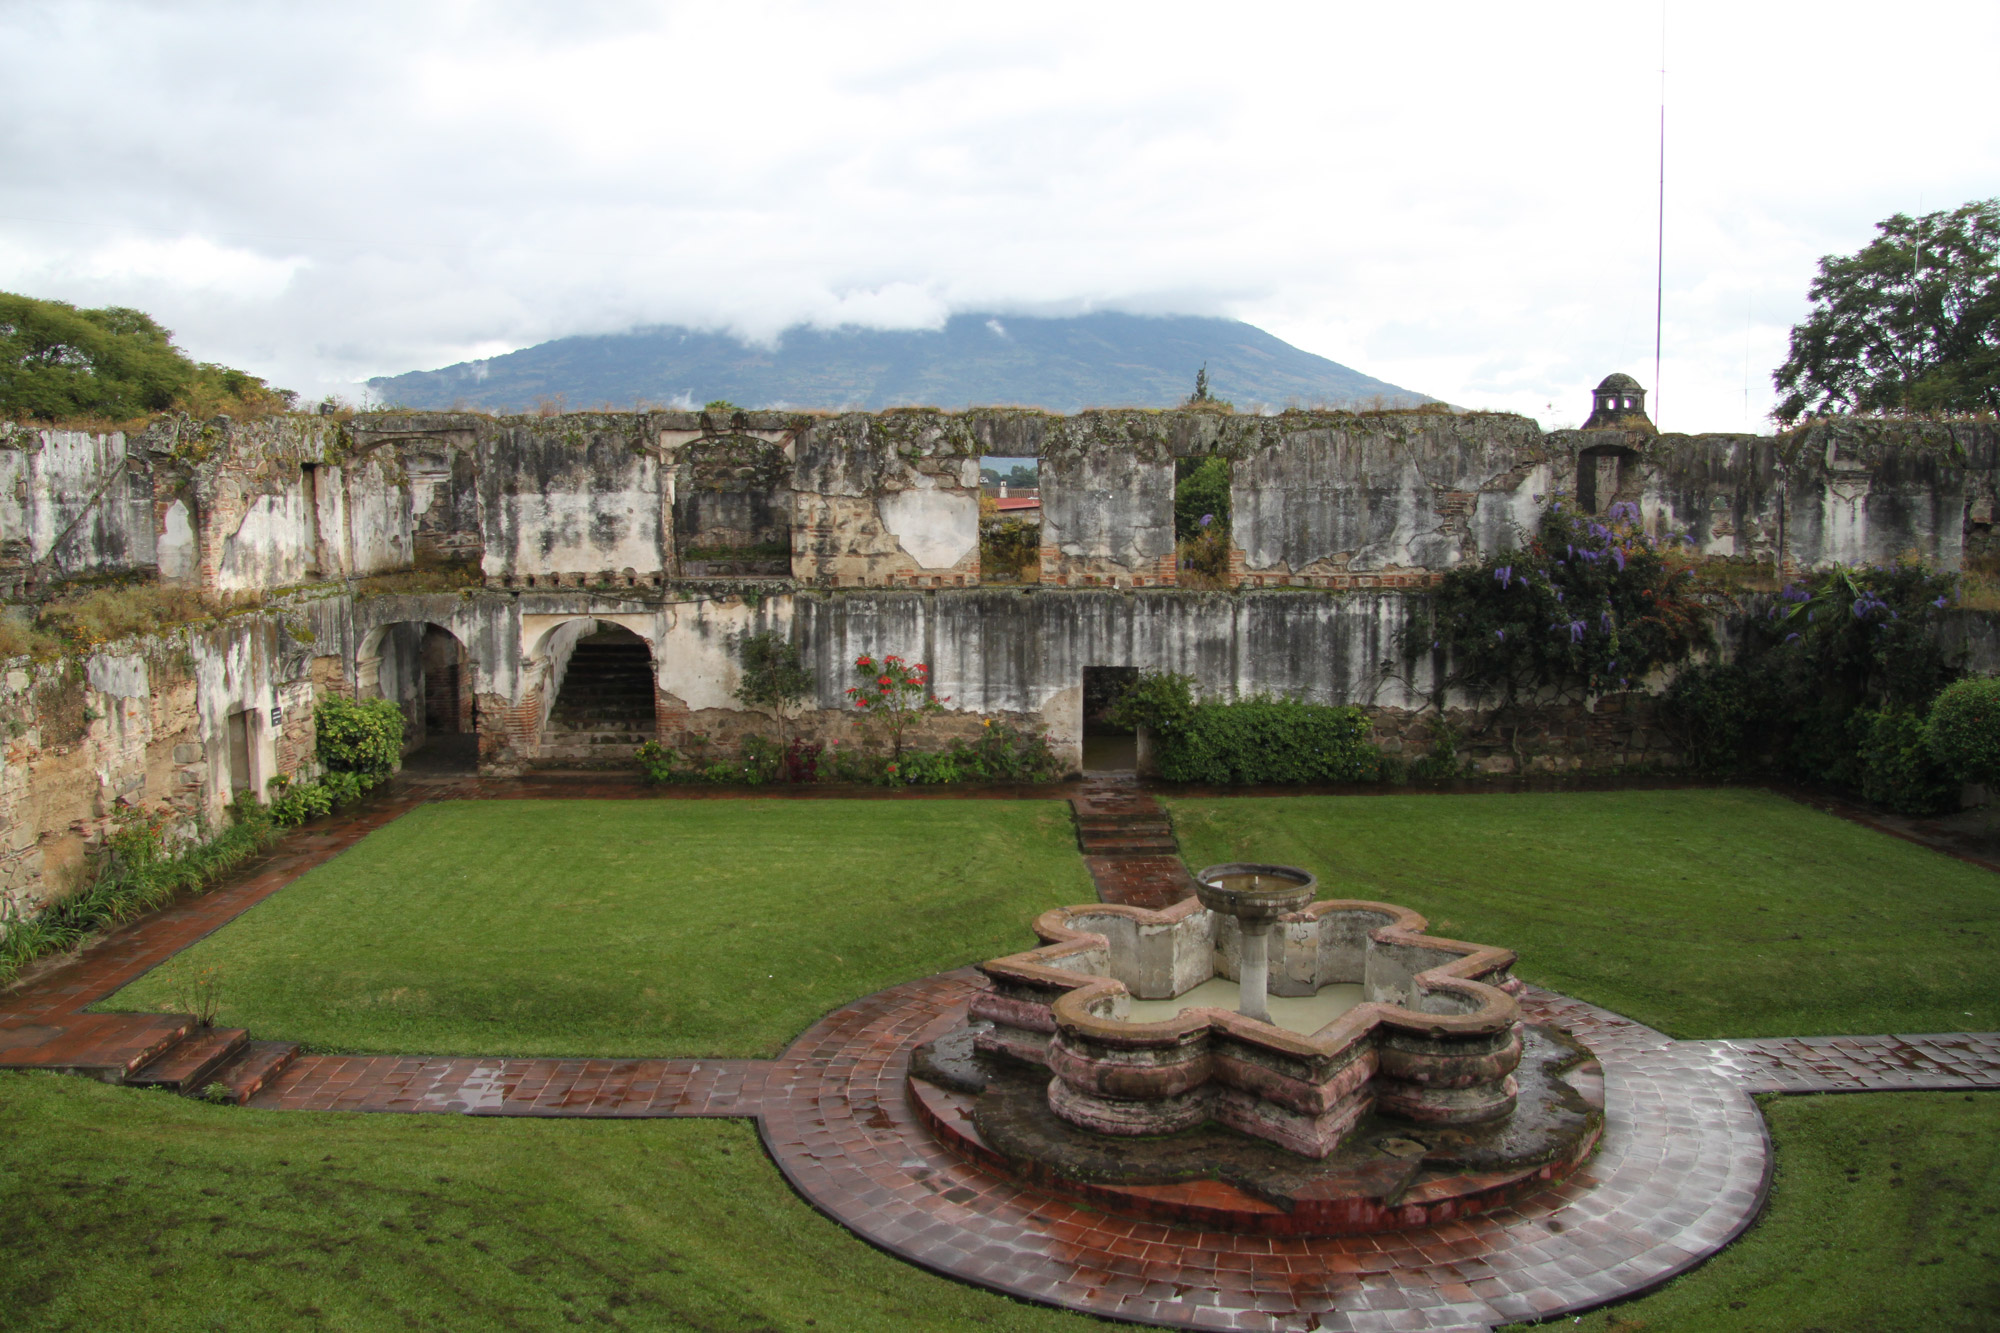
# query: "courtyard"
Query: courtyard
672,962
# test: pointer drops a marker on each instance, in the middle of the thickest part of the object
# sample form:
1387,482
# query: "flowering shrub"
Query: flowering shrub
894,693
1586,608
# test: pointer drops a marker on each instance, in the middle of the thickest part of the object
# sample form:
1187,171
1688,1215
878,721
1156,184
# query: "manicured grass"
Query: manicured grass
1722,913
1882,1219
629,928
141,1211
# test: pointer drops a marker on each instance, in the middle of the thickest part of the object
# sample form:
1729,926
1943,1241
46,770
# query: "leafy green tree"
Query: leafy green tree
1910,323
58,363
775,676
1200,394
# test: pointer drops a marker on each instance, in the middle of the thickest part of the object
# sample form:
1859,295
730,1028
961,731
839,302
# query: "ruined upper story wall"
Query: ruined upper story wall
890,499
71,503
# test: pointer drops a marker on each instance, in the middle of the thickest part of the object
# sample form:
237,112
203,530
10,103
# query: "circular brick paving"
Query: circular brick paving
1683,1169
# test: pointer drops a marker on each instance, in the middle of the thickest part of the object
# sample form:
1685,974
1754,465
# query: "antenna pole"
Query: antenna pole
1660,240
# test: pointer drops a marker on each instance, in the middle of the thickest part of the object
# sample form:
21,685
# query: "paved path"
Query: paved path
1682,1170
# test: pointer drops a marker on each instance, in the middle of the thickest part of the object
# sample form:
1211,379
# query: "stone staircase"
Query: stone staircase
605,710
147,1051
210,1056
1128,843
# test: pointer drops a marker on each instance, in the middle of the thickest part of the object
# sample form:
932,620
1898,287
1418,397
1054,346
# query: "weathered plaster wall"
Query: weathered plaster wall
582,504
140,725
886,500
71,502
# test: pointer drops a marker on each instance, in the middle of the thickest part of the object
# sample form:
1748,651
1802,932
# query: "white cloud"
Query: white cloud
1457,199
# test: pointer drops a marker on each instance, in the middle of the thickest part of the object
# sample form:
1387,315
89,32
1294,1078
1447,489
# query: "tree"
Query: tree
775,677
1200,394
58,363
1910,323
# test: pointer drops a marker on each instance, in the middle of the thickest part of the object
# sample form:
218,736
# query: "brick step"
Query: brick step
1126,824
188,1063
253,1067
1129,847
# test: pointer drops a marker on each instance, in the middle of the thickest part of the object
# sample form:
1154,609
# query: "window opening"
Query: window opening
1010,520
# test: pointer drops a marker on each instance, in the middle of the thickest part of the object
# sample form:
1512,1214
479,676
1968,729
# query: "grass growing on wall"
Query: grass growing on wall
1721,913
146,1213
633,928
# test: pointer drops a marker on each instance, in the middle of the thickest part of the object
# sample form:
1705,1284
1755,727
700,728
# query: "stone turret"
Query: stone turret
1618,404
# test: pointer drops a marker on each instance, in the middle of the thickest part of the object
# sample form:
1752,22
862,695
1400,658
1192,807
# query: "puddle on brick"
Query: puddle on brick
1303,1014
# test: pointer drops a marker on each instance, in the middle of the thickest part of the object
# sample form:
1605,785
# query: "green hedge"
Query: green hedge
1965,730
1269,740
359,738
1897,769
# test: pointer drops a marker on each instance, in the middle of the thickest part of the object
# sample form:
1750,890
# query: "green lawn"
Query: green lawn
140,1211
1882,1219
145,1212
629,928
1723,913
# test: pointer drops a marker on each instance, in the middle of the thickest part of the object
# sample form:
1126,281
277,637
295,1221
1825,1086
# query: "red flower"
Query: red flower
883,681
862,662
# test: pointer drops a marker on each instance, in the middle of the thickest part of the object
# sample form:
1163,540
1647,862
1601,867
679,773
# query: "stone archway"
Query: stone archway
425,668
598,693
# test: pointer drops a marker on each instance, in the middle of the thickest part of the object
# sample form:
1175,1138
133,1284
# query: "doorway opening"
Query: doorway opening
604,710
1107,747
239,752
427,671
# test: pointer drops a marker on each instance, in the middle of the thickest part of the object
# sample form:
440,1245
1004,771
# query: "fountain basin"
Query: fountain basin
1434,1041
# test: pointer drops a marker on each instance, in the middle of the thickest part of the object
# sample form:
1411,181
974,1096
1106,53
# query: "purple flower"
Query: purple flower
1939,603
1619,556
1207,519
1576,631
1500,634
1505,574
1791,638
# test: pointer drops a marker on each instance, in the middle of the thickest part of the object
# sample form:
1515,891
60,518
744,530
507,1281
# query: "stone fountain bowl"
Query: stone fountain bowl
1254,893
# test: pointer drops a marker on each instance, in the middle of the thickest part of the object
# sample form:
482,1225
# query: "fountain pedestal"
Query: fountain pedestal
1256,895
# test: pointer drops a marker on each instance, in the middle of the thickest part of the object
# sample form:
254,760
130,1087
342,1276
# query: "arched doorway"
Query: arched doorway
426,670
604,707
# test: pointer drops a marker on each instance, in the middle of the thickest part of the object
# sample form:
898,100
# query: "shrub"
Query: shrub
1711,711
136,872
1897,769
1586,608
359,737
896,693
1161,702
296,802
1270,740
1965,730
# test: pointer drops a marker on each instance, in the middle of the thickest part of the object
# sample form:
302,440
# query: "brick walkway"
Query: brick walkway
1683,1168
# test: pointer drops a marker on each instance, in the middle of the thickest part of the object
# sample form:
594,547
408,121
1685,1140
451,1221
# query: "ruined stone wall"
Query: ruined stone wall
642,501
141,725
71,503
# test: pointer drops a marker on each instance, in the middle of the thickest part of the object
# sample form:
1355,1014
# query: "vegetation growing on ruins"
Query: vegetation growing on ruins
1717,913
1249,741
1832,685
136,871
1587,607
632,928
59,363
1910,323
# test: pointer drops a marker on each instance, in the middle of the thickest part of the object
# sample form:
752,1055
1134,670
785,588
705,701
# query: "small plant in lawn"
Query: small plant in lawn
198,993
218,1094
894,693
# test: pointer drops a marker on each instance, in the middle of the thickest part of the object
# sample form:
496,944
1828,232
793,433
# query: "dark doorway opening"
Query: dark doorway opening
1107,747
239,753
426,670
604,711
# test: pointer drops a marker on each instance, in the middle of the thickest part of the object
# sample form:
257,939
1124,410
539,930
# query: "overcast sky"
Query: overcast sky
1457,199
